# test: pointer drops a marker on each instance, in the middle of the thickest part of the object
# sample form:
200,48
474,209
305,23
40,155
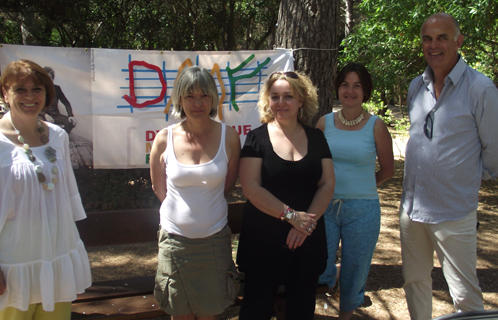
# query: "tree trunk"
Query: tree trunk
311,27
349,17
230,31
28,21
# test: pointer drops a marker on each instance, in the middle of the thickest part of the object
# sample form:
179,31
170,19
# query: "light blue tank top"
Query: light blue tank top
354,155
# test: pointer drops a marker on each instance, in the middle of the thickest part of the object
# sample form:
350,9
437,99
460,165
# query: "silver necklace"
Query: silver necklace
351,123
50,153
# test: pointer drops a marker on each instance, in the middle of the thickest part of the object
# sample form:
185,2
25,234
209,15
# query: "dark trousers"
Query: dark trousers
260,292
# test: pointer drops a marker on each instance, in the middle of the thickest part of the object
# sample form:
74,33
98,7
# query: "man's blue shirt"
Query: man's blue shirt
443,174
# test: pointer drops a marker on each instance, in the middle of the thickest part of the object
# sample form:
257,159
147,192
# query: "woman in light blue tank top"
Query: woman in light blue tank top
356,139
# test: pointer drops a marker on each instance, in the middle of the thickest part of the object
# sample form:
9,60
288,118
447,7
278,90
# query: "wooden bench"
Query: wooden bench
133,298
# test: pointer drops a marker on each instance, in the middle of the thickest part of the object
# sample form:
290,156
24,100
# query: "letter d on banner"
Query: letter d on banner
132,99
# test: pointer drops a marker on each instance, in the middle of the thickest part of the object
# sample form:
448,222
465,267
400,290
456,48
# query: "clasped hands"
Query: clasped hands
303,225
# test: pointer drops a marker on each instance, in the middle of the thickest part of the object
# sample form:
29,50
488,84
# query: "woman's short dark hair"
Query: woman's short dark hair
362,72
19,71
190,80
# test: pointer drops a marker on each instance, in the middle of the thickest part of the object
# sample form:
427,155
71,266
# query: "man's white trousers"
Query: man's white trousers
455,245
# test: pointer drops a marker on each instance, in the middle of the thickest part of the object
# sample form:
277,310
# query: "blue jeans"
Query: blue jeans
356,223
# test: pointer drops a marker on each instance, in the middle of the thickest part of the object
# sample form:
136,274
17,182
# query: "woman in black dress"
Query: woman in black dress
287,176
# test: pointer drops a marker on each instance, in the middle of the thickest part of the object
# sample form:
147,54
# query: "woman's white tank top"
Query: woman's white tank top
195,204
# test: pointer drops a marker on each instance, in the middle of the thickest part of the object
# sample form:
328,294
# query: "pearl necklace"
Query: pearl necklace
50,153
352,122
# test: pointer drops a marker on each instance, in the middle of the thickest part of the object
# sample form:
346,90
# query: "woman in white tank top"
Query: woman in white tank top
193,165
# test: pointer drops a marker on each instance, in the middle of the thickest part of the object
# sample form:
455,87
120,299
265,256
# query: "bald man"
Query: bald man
453,112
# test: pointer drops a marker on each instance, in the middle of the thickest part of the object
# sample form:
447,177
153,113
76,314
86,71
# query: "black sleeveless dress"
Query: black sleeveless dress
262,244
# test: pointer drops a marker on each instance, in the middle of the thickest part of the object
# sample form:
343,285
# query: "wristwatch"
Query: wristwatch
287,214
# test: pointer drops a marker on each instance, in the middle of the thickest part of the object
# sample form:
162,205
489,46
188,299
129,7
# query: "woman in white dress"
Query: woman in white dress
43,262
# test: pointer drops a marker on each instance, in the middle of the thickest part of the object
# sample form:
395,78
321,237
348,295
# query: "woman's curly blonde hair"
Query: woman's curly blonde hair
301,86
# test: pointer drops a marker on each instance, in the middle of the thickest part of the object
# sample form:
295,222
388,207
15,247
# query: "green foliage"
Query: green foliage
377,107
387,39
141,24
9,31
402,125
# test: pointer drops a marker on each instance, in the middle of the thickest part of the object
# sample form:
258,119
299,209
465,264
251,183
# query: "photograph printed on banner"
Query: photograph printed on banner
71,108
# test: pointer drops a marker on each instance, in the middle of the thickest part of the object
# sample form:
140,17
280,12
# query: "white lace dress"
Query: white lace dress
41,254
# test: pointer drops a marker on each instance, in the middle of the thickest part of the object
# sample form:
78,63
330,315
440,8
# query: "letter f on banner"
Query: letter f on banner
132,99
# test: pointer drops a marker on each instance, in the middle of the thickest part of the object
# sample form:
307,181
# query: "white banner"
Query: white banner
122,97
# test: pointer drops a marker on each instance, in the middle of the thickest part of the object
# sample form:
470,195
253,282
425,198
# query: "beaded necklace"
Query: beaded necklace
352,122
50,153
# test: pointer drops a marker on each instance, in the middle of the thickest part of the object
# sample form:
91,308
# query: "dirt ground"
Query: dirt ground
384,297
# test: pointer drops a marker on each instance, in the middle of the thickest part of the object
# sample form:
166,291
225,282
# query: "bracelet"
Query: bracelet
282,215
287,214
